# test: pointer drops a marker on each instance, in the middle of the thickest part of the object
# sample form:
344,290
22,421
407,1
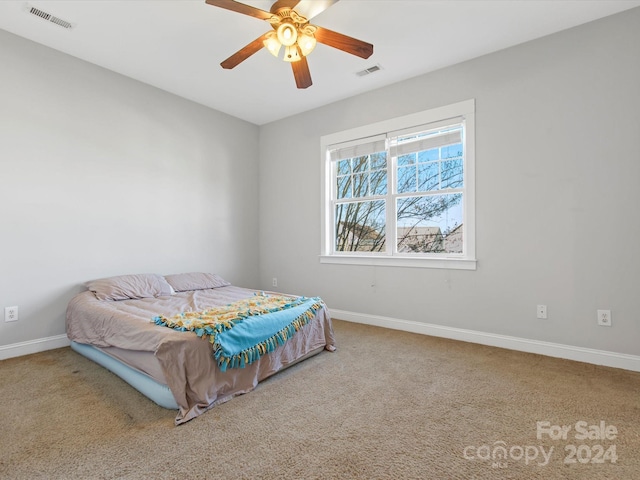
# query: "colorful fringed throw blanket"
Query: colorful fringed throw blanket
243,331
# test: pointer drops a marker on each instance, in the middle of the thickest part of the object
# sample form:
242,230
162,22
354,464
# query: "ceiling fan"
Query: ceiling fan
293,32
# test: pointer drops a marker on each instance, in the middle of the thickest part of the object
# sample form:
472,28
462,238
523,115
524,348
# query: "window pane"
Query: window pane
428,176
428,155
360,226
430,224
378,160
406,179
363,176
360,164
452,174
451,151
344,167
409,159
379,182
344,187
361,185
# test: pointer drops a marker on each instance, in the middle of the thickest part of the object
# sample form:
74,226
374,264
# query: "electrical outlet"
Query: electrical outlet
542,311
11,314
274,282
604,318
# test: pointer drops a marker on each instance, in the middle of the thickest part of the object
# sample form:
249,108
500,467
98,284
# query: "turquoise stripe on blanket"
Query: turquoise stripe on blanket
257,335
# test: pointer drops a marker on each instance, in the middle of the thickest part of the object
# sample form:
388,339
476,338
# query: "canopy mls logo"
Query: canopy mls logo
587,449
500,453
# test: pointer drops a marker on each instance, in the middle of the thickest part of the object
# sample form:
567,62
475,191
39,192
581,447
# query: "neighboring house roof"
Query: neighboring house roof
420,239
364,232
453,240
433,231
410,239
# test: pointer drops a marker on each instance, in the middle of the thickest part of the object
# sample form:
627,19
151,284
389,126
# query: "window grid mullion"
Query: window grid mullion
430,193
392,187
417,171
360,199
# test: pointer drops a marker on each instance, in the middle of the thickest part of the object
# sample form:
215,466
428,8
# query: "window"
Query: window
401,192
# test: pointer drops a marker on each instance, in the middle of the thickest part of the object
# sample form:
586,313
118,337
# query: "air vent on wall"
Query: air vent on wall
48,17
369,70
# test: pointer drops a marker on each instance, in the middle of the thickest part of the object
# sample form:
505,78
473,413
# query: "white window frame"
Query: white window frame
467,260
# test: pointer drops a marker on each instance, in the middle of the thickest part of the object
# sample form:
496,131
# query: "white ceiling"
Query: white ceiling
177,45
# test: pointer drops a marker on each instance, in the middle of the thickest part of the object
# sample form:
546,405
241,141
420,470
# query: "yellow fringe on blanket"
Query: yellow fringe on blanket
224,317
219,319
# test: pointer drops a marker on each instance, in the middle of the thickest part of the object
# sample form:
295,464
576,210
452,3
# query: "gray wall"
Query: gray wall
557,194
101,175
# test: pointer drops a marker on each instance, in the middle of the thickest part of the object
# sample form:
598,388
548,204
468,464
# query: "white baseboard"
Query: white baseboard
569,352
33,346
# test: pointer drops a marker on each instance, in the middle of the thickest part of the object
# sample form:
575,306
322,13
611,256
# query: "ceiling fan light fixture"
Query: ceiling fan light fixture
272,44
306,43
291,54
292,31
287,34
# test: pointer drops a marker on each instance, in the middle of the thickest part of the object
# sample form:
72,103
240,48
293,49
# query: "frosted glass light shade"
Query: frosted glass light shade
306,43
287,34
272,44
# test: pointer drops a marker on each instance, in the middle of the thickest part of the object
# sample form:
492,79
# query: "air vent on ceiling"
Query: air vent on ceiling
48,17
369,70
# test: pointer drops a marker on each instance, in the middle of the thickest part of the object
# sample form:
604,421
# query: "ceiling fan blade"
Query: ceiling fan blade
343,42
244,53
301,73
241,8
311,8
290,4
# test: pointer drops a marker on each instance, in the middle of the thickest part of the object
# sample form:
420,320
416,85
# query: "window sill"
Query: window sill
396,261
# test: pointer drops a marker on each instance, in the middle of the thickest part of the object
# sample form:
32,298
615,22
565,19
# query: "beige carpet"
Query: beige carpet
387,404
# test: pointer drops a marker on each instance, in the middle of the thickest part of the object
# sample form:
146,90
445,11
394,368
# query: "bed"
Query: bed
131,325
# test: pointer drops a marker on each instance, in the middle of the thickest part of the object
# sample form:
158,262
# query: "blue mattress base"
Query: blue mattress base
158,392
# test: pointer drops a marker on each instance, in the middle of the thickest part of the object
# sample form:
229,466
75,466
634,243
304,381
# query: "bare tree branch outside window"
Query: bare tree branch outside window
428,208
